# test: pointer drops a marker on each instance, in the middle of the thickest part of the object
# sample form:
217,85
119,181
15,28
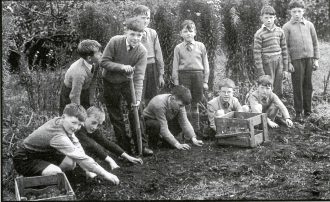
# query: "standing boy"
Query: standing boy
263,100
191,67
225,101
165,117
80,79
54,148
154,76
124,55
94,142
303,57
270,51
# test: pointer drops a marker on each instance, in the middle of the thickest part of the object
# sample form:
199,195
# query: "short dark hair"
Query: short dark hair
296,4
265,80
140,10
75,110
182,93
189,24
88,48
227,83
268,10
135,25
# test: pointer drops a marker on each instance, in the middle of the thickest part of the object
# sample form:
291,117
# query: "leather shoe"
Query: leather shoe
147,152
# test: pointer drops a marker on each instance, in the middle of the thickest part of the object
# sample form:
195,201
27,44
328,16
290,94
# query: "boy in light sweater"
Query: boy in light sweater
270,51
191,68
53,148
79,83
124,55
304,54
154,76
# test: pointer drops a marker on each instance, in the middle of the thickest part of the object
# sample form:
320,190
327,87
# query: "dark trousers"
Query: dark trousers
153,131
151,83
302,84
65,98
273,66
113,95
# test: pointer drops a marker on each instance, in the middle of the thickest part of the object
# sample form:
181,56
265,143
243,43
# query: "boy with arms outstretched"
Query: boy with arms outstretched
304,53
191,68
165,117
53,148
124,55
154,76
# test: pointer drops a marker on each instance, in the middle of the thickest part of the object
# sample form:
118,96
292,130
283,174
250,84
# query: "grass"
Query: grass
319,76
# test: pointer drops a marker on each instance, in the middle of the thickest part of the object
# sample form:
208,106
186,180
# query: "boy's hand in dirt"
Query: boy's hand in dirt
288,122
205,86
271,123
197,142
182,146
290,68
111,162
161,81
111,177
132,159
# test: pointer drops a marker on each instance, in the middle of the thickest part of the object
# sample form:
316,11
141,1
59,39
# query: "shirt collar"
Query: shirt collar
302,20
193,43
272,29
89,66
128,46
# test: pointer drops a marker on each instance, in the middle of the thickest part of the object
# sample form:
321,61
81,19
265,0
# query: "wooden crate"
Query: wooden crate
241,129
40,185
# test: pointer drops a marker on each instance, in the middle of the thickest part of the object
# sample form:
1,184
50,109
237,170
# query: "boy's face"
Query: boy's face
92,124
188,35
71,123
176,103
268,20
297,13
264,91
133,37
226,93
145,18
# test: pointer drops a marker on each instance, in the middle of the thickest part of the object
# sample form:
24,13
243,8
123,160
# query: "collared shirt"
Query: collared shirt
255,98
268,42
89,66
128,46
159,108
301,39
184,60
216,104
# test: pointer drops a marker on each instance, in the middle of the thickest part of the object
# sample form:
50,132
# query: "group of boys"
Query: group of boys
62,142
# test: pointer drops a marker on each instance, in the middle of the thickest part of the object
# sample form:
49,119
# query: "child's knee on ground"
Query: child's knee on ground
51,170
67,164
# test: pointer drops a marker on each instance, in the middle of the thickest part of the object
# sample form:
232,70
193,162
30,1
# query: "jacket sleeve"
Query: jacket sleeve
77,84
175,69
206,65
257,46
108,57
138,77
159,56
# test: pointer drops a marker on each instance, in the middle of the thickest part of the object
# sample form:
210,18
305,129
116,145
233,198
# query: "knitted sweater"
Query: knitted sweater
269,42
51,137
301,40
116,54
159,109
151,42
184,60
78,77
93,142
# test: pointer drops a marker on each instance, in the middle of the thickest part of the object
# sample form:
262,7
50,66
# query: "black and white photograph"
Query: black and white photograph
165,100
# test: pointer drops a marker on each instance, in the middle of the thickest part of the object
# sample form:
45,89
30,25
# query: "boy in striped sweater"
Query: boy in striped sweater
270,51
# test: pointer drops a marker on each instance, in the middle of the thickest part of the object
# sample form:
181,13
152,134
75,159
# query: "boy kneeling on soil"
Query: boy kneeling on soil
92,140
166,116
53,148
224,103
263,100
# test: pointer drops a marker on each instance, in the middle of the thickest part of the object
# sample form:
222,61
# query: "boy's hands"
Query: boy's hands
161,81
111,177
271,123
128,69
111,162
290,68
182,146
134,160
205,86
197,142
315,64
288,122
